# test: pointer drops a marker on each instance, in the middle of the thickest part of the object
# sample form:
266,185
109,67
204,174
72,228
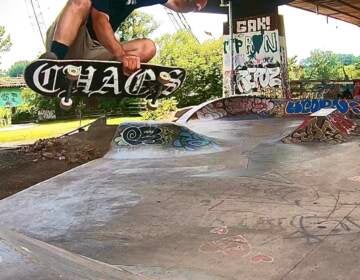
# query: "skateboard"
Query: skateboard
67,78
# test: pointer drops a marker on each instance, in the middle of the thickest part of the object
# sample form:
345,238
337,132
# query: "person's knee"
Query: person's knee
82,6
150,48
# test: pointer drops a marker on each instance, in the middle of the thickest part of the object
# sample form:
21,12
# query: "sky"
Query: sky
305,31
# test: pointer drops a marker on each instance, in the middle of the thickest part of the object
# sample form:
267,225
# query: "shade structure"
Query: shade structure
345,10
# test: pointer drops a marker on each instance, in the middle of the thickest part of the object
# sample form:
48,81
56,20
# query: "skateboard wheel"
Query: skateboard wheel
66,105
164,77
152,106
72,72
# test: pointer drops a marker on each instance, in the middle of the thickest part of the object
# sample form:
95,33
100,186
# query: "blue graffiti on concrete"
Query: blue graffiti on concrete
308,106
191,141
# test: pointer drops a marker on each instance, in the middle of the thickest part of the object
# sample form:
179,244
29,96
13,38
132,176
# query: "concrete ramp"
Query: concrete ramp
157,140
326,125
22,257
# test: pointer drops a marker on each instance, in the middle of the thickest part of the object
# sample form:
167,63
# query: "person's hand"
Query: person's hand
131,63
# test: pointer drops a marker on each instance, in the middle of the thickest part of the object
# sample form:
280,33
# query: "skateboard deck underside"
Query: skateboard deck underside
48,77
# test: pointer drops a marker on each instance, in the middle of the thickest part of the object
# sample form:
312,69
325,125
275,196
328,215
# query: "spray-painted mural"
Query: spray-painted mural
45,115
10,98
332,128
161,134
242,105
259,59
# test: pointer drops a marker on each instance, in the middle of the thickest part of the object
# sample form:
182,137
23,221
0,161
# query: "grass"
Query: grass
50,129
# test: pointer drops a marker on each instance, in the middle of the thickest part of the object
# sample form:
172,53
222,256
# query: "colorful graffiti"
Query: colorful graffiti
170,135
233,246
308,106
333,128
255,79
44,115
10,98
240,105
235,106
259,58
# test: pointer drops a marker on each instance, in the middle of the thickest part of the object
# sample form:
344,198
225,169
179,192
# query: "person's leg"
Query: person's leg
72,18
144,48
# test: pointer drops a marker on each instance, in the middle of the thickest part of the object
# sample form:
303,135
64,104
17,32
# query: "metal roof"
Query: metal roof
245,7
12,83
345,10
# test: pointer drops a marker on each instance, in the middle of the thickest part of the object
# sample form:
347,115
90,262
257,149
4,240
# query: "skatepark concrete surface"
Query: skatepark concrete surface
248,207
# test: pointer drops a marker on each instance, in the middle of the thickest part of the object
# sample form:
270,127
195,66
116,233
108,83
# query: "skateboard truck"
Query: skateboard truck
163,78
72,75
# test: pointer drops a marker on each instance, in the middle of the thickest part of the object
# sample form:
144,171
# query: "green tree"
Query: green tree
137,25
296,71
203,64
347,59
322,65
5,41
18,68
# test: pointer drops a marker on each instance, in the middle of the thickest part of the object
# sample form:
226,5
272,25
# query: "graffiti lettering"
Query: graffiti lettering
308,106
134,85
314,228
92,80
257,78
253,25
111,82
85,80
47,73
44,115
238,43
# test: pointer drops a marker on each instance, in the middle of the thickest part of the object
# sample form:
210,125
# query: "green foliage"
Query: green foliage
296,71
5,117
163,112
5,41
125,106
27,110
322,65
32,103
348,59
325,65
18,68
203,63
137,25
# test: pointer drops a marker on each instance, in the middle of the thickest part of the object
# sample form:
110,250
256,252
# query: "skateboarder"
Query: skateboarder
85,30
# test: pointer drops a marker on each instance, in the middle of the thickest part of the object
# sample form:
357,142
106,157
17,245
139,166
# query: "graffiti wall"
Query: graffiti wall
259,58
308,89
267,107
10,98
45,115
332,128
161,134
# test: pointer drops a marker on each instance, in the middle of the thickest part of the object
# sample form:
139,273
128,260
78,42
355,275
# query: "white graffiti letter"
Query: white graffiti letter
114,85
274,73
174,82
135,83
241,26
85,80
263,77
50,74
